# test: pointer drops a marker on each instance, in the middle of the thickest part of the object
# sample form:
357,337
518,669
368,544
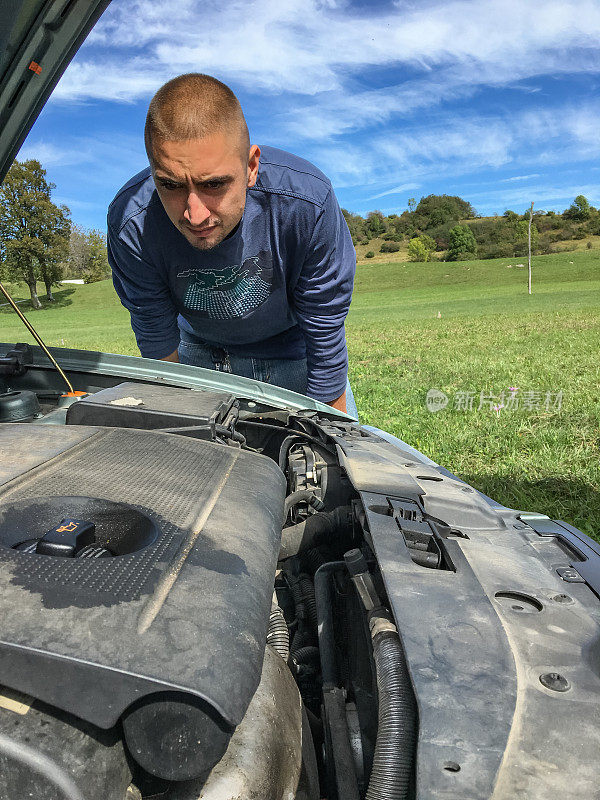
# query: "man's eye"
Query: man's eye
214,185
169,185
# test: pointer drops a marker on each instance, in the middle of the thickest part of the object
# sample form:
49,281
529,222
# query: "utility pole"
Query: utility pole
529,239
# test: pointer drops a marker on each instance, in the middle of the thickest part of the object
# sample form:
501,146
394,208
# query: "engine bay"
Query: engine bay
206,597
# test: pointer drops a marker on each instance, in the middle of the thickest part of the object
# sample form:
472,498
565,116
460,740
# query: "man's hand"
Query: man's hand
173,357
339,404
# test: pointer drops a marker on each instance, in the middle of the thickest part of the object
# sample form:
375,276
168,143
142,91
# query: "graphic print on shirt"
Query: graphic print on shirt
230,292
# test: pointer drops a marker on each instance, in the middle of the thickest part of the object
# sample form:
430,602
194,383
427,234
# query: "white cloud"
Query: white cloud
377,99
405,187
520,178
51,155
106,79
456,146
96,160
310,47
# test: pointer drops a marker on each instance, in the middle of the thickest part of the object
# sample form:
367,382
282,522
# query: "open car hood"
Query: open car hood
107,365
38,39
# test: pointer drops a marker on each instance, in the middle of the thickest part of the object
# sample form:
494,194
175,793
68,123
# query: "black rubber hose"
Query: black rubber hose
294,587
304,635
284,451
315,530
302,638
313,559
306,655
302,495
324,600
221,430
278,635
307,591
394,757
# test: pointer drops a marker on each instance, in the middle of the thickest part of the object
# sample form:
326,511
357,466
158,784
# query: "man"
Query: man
232,257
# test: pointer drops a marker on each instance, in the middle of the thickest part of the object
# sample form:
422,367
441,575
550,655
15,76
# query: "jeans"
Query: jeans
287,373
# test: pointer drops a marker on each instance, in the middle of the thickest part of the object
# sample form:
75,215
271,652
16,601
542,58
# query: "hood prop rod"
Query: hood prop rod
36,336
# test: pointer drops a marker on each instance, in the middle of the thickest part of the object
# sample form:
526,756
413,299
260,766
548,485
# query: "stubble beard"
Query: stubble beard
209,243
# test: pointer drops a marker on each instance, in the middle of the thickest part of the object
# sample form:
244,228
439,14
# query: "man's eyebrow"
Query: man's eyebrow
215,179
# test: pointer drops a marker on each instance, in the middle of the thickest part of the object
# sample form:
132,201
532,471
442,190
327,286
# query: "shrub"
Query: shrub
462,243
420,248
593,226
389,247
567,247
370,254
589,245
497,250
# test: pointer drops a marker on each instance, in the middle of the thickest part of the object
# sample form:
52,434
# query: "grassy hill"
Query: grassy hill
435,217
87,317
569,245
468,329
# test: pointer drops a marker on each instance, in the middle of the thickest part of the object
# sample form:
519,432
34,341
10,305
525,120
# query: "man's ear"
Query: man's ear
253,159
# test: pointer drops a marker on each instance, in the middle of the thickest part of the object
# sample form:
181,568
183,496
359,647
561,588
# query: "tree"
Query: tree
98,268
412,204
579,209
435,210
376,223
34,231
461,243
420,248
356,226
521,238
87,258
55,238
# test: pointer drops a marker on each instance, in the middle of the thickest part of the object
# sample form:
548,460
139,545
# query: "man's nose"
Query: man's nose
196,212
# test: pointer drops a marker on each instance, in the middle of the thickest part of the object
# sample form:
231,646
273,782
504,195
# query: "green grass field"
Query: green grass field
466,327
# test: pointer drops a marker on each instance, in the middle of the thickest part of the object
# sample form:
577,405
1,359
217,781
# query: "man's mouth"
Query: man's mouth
202,232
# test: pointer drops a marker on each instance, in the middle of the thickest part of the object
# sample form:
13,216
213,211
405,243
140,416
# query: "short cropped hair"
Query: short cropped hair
194,106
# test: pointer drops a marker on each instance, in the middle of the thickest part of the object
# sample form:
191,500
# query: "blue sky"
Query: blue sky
493,100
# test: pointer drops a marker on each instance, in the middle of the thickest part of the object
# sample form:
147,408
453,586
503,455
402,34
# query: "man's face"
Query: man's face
202,185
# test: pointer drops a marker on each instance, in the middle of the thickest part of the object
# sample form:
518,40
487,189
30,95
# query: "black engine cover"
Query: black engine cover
181,613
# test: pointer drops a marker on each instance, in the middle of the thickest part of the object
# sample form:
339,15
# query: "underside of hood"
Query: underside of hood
37,41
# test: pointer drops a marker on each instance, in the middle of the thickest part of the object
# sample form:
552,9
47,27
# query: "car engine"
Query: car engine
204,596
141,568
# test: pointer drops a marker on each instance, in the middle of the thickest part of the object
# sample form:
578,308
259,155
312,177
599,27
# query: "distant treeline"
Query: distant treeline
450,225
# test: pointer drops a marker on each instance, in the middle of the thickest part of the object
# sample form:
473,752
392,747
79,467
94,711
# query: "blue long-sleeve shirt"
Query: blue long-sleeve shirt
278,287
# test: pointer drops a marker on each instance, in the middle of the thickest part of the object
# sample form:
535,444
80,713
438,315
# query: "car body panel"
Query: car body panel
82,364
